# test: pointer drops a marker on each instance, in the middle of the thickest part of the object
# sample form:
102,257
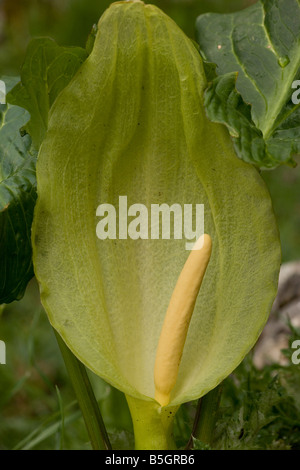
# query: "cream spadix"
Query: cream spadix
177,320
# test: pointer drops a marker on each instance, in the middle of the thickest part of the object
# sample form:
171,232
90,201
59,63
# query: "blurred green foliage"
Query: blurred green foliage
260,409
38,408
70,21
284,187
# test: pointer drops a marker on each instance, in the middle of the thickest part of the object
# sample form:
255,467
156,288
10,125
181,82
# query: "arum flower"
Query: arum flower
131,124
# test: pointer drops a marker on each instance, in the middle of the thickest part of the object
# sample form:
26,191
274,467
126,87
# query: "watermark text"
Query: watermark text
296,354
296,94
161,221
2,92
2,352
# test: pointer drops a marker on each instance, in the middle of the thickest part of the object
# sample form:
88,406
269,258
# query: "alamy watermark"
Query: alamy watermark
2,352
296,354
2,92
296,94
161,221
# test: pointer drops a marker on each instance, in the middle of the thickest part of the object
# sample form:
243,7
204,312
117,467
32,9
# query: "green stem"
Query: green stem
153,425
86,398
206,415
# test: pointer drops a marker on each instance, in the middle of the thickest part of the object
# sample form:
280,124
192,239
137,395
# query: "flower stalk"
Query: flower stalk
85,397
152,424
206,416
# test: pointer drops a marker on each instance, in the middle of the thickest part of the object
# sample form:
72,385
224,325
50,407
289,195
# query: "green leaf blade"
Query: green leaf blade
46,71
17,200
262,45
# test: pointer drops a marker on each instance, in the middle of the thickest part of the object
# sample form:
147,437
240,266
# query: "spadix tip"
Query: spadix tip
162,398
204,240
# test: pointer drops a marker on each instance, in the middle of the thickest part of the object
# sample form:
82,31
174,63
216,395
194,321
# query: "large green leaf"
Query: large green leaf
132,123
262,45
47,69
17,200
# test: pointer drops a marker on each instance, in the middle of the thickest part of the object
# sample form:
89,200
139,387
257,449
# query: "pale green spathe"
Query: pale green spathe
132,122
